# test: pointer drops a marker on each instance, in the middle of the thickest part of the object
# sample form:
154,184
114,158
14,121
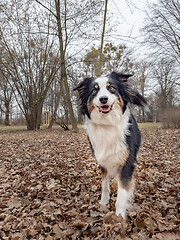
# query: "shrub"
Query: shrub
170,117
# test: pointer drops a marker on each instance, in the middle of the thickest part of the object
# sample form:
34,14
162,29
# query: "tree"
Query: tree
91,60
30,61
162,28
63,62
164,73
6,93
72,22
102,41
162,31
113,58
140,82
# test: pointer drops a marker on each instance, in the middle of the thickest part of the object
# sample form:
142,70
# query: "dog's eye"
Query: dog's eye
111,88
94,91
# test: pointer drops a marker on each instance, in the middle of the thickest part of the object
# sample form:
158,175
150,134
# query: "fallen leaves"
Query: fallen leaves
50,188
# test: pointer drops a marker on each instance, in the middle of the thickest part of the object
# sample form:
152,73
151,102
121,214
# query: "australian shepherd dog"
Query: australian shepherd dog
112,132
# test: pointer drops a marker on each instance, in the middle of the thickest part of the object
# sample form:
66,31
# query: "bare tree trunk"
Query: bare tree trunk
102,41
56,104
7,113
63,66
6,122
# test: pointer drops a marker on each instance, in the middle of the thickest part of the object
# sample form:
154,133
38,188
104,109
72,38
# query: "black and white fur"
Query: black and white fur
112,131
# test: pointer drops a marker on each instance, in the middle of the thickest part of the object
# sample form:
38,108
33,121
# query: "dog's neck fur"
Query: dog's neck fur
107,136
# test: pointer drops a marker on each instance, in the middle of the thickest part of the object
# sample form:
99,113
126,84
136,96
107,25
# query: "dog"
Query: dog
112,132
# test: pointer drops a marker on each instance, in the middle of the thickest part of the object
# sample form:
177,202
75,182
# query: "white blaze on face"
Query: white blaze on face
103,92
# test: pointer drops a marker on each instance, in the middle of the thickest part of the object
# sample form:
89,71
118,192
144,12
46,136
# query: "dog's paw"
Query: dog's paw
104,203
104,200
121,211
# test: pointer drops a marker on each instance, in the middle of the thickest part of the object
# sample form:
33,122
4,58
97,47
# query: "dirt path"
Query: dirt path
50,188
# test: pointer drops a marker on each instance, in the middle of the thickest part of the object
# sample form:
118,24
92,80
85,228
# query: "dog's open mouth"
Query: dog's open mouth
105,108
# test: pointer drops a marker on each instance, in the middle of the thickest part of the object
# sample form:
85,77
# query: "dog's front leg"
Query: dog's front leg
105,195
124,194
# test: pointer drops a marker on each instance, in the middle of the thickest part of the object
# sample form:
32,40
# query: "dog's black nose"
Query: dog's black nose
103,99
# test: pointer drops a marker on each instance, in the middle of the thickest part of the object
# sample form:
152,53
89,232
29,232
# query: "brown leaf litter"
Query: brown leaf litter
50,188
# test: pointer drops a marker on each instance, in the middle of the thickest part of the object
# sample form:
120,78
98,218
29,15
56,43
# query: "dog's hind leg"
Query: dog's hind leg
105,195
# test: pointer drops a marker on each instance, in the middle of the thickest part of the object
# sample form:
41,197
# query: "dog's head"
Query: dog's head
106,94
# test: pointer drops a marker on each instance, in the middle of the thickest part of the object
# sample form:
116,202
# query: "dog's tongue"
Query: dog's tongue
105,108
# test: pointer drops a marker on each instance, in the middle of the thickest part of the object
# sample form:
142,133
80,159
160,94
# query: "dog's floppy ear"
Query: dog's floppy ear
132,96
79,86
83,90
120,76
83,84
135,98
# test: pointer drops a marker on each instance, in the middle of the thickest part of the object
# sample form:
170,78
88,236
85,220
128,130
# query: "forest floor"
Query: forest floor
50,188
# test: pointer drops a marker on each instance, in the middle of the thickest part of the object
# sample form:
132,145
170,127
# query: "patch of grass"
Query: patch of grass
149,125
12,128
79,126
23,128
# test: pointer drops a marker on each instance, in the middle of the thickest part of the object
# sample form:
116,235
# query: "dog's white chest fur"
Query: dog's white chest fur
108,141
